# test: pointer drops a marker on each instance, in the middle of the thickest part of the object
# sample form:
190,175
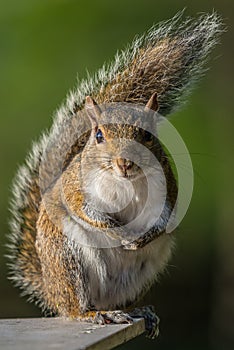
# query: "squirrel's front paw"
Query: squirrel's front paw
151,319
117,317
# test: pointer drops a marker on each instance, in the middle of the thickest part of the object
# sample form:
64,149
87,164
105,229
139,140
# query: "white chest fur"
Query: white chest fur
116,277
136,204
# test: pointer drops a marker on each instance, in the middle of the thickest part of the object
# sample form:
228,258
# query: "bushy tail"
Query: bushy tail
24,264
168,59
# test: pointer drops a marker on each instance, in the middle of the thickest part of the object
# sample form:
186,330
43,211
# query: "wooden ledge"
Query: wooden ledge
58,333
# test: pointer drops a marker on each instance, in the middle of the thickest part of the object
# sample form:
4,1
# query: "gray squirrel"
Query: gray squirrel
69,250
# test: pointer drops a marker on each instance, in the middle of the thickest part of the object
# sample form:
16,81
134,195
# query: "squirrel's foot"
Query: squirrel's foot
117,317
150,317
107,317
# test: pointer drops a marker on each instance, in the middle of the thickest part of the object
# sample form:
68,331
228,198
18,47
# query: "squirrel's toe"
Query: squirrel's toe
116,317
151,319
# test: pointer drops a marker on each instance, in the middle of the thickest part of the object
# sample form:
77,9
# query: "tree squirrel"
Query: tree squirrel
77,246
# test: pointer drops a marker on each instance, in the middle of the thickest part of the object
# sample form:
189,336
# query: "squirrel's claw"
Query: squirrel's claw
151,320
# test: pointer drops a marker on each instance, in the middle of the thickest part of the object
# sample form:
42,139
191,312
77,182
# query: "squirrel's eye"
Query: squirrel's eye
148,136
99,136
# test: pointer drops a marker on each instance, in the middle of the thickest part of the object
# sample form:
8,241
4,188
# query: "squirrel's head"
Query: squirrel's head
121,162
118,143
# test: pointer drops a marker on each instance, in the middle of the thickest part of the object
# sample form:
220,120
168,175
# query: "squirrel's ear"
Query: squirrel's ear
152,104
93,111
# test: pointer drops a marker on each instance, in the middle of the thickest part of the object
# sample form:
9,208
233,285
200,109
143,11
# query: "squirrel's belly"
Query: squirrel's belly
117,278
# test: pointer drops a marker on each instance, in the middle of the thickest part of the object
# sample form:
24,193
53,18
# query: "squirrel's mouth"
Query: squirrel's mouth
126,169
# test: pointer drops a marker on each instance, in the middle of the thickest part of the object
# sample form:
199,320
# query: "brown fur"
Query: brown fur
58,289
166,60
158,66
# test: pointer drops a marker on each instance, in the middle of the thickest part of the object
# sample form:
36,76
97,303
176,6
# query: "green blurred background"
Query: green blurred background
44,45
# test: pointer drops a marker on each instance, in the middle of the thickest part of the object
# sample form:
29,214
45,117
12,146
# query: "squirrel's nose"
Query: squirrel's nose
124,164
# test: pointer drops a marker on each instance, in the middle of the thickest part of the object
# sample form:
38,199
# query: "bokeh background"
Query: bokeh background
44,45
